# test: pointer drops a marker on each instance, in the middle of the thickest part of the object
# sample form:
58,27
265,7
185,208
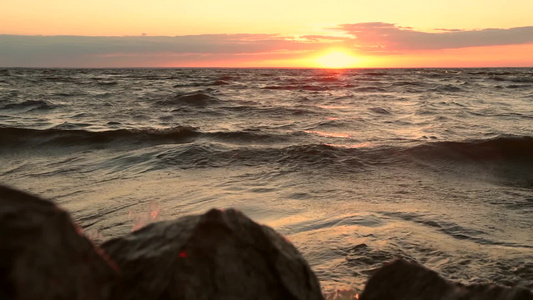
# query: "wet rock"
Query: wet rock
44,256
218,255
401,280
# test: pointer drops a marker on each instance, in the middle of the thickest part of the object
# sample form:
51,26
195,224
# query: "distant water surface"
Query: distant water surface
355,167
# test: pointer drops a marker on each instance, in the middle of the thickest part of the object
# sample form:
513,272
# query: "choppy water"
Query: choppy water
355,167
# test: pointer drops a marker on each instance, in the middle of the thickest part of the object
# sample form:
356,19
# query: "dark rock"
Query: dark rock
44,256
401,280
218,255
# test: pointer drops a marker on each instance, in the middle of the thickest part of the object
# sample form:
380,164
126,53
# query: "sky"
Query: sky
274,33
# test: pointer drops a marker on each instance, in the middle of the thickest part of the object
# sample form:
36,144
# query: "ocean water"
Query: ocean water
355,167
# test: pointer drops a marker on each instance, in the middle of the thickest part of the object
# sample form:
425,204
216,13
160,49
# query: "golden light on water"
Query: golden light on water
350,146
329,134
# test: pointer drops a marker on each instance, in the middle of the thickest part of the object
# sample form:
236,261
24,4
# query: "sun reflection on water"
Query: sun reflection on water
329,134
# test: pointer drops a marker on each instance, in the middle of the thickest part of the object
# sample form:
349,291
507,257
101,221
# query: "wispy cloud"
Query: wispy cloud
16,50
389,38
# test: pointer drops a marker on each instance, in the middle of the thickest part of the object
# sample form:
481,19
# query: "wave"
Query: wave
328,79
452,229
492,72
336,160
220,82
507,157
300,110
58,78
409,83
512,152
304,87
202,84
505,147
518,86
502,148
369,89
506,160
497,149
522,79
22,137
447,88
380,110
30,105
247,137
374,73
107,83
195,99
70,135
212,155
514,79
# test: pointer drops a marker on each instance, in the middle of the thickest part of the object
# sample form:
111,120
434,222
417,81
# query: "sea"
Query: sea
355,167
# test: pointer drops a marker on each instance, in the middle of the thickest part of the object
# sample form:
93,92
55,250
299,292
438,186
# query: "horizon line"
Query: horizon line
272,68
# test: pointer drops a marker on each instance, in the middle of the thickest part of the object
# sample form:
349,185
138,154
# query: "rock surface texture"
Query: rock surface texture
218,255
44,256
401,280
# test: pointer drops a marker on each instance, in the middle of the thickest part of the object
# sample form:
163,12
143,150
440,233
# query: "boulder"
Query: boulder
217,255
44,256
401,280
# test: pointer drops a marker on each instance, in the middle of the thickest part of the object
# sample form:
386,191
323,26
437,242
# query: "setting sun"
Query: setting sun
336,59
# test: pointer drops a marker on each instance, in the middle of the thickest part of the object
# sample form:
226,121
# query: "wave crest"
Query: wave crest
11,137
195,99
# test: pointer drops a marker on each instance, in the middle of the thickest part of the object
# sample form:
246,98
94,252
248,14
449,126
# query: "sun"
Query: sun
336,59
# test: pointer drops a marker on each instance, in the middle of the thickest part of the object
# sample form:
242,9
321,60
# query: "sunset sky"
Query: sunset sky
275,33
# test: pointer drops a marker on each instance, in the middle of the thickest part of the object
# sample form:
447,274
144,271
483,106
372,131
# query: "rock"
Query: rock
44,256
218,255
401,280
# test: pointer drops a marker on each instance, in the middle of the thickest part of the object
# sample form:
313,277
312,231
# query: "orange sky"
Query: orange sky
275,33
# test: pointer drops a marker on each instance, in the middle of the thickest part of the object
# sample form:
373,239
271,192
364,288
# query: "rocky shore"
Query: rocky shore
221,254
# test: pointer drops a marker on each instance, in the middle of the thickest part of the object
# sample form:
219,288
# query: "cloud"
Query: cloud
324,37
449,29
390,38
376,38
17,50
